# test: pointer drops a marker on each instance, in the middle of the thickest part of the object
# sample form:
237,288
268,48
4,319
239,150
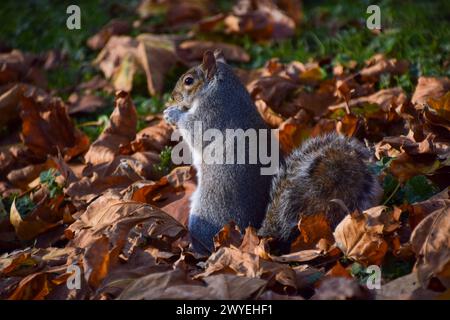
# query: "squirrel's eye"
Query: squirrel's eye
188,81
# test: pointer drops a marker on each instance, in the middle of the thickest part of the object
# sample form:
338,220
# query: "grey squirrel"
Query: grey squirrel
322,169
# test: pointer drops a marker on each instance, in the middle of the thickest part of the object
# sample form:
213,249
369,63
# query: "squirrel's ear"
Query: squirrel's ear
209,64
218,54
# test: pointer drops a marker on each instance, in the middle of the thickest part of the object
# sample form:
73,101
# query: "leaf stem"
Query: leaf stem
392,194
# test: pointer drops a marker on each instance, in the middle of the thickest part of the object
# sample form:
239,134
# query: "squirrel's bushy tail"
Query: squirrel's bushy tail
322,169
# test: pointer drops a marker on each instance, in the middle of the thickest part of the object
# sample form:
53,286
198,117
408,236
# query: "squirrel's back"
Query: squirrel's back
323,169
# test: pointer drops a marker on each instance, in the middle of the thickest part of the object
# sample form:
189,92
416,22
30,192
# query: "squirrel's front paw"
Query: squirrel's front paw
172,115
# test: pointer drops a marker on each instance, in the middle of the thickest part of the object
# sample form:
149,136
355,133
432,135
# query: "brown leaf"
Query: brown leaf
430,87
177,14
110,227
405,288
156,286
24,67
9,104
152,138
386,99
156,55
404,167
117,174
120,131
274,91
441,105
248,265
96,261
431,242
312,228
109,59
47,127
298,256
23,176
316,102
260,20
419,210
339,271
171,193
29,260
250,241
268,115
115,218
229,235
192,50
176,285
42,218
210,23
294,131
407,144
38,285
360,237
349,125
114,27
185,13
87,103
378,65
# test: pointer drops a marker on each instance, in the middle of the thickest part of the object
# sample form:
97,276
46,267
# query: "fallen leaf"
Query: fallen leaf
430,241
175,285
120,131
114,27
9,104
229,235
360,236
152,138
378,65
156,55
87,103
312,228
248,265
47,127
260,20
192,50
42,218
171,193
430,87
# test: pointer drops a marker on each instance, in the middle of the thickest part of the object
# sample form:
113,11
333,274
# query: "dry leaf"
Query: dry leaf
47,127
229,235
192,50
360,236
43,217
429,87
176,285
431,242
260,20
312,229
378,65
120,131
248,265
114,27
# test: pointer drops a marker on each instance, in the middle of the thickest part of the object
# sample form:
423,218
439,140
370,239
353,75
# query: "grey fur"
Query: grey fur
322,169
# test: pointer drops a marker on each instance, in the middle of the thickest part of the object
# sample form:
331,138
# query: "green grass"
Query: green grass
39,26
417,31
165,162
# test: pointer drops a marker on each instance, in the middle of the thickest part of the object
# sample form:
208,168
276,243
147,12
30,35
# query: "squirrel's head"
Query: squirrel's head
195,81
